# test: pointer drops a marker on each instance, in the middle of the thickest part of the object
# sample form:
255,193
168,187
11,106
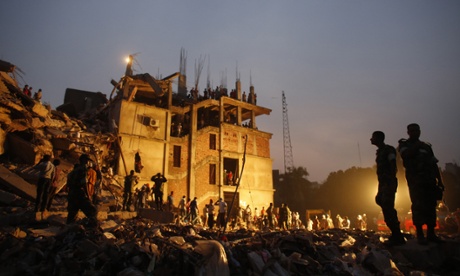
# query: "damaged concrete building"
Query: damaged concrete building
199,142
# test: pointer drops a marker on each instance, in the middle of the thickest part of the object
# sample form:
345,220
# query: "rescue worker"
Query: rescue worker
423,177
45,178
270,215
182,209
130,181
388,184
55,183
222,213
78,197
283,217
210,211
158,179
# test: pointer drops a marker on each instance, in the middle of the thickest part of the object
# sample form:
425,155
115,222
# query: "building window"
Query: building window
212,173
212,141
176,157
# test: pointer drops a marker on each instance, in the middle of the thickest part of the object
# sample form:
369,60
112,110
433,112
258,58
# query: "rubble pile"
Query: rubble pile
141,247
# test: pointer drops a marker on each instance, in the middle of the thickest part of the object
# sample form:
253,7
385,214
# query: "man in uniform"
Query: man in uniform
388,184
422,174
78,196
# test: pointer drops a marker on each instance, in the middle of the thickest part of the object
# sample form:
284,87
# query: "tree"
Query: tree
294,189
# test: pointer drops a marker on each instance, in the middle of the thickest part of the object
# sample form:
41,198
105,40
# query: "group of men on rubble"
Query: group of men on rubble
83,184
141,195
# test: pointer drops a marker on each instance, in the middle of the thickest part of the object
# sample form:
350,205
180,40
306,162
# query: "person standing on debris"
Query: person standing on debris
54,183
92,179
38,95
45,178
193,210
282,223
222,213
78,197
130,181
270,215
210,212
171,202
182,209
423,178
159,181
25,91
388,184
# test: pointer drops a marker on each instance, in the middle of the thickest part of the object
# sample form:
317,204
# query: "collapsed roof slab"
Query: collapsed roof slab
17,185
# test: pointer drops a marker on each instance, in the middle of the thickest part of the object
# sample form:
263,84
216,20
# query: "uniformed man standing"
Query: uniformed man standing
423,177
388,184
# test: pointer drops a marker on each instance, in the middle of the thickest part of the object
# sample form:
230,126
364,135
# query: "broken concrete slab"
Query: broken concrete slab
17,184
40,109
23,150
156,216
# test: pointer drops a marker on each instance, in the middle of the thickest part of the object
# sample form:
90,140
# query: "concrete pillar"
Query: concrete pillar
182,85
238,89
238,115
192,150
251,94
253,119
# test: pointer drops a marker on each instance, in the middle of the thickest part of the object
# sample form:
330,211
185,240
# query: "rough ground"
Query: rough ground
137,246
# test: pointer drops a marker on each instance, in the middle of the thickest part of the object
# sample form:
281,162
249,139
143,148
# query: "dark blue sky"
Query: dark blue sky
347,67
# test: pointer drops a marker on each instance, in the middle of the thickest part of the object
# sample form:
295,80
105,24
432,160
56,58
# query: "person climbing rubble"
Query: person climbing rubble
78,196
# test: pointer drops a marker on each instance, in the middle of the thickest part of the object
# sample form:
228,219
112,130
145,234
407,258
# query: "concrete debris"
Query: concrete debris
139,246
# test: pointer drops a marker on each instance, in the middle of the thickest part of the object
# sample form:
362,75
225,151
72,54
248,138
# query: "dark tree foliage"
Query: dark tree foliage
350,192
294,189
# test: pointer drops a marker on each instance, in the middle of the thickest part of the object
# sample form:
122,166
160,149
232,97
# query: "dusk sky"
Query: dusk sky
347,67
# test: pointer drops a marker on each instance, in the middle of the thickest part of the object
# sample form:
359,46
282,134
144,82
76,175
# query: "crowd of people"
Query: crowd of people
424,181
209,93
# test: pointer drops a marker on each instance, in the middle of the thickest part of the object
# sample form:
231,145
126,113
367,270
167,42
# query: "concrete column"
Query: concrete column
238,89
238,115
251,94
192,150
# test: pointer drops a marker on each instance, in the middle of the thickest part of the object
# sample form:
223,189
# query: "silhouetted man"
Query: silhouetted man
388,184
422,174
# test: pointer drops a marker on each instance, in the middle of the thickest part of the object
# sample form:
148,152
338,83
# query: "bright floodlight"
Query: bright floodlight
128,59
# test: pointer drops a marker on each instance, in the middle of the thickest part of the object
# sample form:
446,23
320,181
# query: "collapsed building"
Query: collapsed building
204,144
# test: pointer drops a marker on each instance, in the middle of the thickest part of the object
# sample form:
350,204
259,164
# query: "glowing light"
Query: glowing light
128,59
